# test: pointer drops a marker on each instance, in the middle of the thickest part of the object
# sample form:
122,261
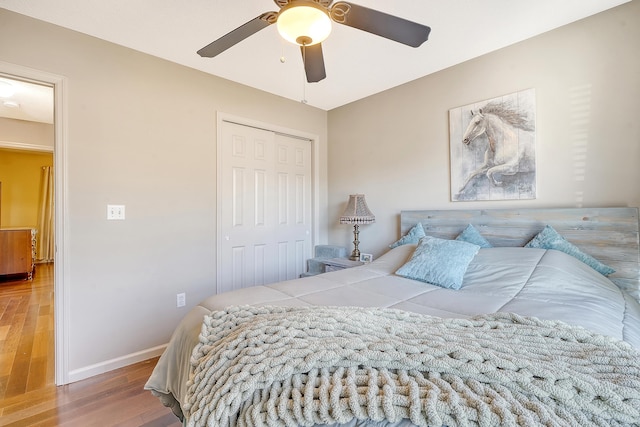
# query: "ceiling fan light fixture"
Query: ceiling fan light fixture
303,24
11,104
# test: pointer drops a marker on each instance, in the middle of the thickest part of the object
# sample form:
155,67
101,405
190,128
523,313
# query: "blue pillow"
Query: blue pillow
439,262
413,236
549,238
472,235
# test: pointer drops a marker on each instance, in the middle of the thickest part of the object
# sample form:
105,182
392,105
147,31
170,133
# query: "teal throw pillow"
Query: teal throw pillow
549,238
472,235
413,236
439,262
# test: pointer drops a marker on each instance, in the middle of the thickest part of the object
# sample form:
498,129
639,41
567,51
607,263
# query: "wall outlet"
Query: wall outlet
181,300
115,212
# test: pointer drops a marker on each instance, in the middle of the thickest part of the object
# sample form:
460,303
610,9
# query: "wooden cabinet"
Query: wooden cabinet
17,251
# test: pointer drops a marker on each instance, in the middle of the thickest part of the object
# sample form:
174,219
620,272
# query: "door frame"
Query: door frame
61,265
315,174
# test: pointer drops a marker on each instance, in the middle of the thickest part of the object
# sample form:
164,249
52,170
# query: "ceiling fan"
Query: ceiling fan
307,23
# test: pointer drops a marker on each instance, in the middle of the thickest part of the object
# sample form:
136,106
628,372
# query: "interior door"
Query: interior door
264,205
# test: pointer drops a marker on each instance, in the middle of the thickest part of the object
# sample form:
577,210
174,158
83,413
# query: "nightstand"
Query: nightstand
322,253
335,264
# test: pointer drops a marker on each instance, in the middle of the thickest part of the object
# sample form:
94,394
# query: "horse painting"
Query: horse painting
508,153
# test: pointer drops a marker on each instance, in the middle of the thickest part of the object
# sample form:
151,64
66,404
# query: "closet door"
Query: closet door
264,205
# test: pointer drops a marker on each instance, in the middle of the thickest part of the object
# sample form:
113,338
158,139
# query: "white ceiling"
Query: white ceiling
29,101
358,64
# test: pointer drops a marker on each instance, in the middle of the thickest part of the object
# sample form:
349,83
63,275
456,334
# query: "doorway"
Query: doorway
56,87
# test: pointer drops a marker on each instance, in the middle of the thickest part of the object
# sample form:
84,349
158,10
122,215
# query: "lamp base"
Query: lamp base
355,254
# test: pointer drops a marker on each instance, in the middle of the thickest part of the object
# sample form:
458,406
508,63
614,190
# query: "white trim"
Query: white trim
315,174
61,265
25,146
112,364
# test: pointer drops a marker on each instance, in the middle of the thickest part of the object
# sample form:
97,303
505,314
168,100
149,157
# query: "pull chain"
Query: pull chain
304,79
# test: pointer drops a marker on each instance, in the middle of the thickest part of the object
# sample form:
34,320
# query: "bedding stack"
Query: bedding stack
274,366
444,262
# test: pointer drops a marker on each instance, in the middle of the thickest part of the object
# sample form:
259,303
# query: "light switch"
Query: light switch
115,212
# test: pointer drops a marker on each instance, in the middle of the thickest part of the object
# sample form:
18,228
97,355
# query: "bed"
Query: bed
514,336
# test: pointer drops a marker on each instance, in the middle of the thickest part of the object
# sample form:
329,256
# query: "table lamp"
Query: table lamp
357,212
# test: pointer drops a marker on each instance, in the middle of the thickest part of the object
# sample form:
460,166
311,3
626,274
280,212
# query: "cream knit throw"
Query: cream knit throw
284,366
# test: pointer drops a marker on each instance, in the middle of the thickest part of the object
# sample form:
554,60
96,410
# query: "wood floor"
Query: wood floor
28,395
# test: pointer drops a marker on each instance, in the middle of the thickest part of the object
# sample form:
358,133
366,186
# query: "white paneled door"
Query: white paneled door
265,206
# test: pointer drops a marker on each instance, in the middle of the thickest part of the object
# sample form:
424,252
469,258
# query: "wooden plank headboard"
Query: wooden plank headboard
608,234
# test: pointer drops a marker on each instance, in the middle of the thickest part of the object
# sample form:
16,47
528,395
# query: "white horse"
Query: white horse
506,153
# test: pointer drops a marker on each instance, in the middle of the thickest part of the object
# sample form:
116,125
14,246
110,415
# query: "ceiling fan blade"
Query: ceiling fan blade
313,62
380,23
237,35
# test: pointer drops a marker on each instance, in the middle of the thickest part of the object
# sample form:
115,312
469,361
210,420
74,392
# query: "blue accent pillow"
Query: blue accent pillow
439,262
472,235
413,236
549,238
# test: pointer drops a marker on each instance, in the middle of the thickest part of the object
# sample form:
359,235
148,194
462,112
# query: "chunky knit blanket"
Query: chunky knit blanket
284,366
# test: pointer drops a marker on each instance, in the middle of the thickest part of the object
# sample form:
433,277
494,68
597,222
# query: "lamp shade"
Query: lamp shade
357,211
303,24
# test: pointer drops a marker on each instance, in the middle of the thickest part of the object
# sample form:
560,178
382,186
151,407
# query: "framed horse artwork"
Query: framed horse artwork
492,147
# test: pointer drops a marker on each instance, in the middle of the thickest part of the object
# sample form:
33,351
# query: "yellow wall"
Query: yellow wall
20,178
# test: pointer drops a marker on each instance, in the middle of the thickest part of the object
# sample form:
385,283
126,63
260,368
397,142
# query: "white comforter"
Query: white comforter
541,283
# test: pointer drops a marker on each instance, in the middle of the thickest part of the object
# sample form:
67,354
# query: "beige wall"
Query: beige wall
394,146
21,132
20,175
141,132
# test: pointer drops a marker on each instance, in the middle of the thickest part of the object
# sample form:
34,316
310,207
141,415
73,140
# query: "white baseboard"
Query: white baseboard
119,362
